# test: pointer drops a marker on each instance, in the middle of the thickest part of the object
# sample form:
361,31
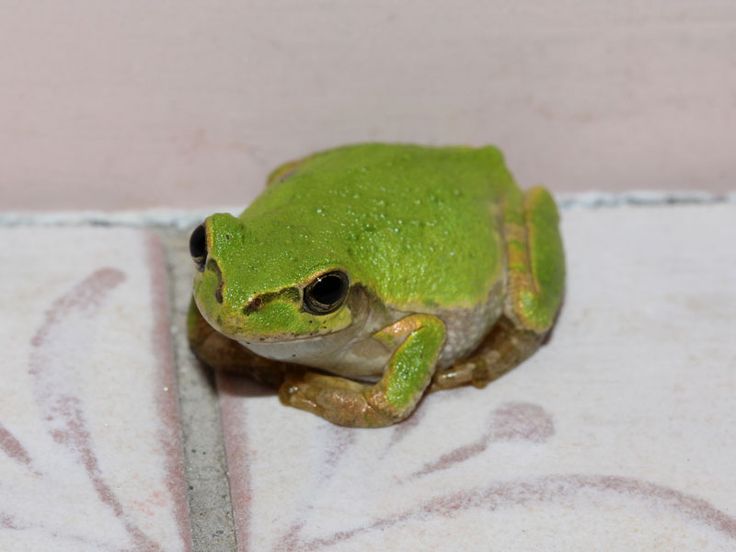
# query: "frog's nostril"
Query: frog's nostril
198,247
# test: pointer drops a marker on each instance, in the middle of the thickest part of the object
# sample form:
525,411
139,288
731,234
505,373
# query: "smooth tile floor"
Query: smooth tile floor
90,434
619,434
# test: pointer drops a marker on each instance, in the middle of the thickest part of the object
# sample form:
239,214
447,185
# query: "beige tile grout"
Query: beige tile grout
606,200
208,489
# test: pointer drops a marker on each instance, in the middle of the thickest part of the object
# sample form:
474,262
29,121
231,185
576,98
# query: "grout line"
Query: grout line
639,198
184,219
161,218
208,490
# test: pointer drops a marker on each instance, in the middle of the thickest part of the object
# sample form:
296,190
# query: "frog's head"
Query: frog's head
268,280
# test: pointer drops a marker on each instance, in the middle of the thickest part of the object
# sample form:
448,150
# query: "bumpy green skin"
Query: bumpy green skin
424,230
376,207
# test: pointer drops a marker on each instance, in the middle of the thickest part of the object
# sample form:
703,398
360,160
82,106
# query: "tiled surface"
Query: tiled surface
620,434
90,448
204,450
137,104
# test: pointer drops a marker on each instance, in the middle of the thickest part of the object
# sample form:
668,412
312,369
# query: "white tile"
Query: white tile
620,434
90,450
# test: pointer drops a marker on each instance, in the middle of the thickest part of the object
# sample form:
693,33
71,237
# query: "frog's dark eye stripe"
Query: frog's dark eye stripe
326,293
198,247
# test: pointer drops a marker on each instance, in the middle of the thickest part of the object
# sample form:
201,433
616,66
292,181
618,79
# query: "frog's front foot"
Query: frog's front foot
336,399
416,341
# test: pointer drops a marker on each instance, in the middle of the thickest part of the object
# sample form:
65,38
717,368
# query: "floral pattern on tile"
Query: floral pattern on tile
90,449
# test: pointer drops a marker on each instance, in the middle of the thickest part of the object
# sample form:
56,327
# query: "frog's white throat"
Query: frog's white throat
350,352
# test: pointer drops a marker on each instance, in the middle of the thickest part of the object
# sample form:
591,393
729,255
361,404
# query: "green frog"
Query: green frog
368,275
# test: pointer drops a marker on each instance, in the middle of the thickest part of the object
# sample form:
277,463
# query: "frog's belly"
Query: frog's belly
466,328
358,358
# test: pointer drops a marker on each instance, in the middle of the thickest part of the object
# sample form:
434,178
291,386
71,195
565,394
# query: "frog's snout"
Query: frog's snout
198,247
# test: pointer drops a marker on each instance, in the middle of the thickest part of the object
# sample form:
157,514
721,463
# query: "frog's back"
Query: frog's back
419,226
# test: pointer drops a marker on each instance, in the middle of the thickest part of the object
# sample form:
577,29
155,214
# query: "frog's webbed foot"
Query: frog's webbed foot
341,401
416,340
505,347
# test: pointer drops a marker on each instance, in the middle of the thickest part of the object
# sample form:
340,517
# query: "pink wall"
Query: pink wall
181,103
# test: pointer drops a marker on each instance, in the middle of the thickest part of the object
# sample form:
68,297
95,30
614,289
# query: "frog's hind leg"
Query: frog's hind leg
535,286
503,348
535,261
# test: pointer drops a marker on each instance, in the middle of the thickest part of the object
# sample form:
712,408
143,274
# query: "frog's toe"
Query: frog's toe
338,400
321,395
297,393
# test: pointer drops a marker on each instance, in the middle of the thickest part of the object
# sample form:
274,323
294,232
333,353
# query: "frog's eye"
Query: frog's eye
326,293
198,246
